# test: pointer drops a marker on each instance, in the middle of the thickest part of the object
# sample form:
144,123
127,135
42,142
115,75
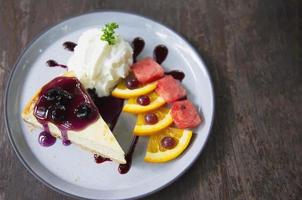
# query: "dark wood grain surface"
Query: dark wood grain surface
253,50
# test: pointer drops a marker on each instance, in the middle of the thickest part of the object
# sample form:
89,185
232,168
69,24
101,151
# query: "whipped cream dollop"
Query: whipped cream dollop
100,65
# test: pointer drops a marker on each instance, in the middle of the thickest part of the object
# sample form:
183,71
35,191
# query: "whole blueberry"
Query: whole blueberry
83,111
58,113
51,94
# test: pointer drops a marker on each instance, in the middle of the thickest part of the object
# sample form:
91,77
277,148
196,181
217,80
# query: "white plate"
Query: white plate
73,171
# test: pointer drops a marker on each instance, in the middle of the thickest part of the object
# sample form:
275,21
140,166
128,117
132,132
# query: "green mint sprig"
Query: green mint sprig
109,33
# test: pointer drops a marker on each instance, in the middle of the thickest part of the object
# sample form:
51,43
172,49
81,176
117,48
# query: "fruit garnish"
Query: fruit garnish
133,107
123,92
151,118
151,123
170,89
167,144
143,100
109,33
147,70
131,82
185,115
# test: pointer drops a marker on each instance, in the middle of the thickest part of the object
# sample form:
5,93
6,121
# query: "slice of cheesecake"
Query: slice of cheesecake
89,132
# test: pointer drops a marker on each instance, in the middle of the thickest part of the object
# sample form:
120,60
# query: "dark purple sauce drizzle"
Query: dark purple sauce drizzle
124,168
138,45
160,53
58,103
65,140
69,45
179,75
45,138
100,159
109,107
52,63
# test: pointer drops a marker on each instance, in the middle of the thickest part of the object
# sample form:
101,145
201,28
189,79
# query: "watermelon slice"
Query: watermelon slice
170,89
185,115
147,70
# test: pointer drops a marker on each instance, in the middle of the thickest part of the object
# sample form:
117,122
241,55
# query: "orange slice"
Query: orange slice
164,120
133,107
121,91
157,153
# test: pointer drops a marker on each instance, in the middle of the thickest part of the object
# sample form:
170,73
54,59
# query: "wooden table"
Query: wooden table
253,50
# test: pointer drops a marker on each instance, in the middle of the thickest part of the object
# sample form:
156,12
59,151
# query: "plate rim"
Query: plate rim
44,30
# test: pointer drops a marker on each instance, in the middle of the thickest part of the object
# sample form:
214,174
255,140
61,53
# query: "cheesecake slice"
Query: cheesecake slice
64,109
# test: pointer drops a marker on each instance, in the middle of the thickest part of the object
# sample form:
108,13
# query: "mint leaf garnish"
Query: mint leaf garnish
109,33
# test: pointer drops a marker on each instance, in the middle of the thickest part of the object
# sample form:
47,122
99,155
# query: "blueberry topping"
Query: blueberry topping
41,112
58,113
83,111
65,103
65,95
58,94
51,94
66,142
46,139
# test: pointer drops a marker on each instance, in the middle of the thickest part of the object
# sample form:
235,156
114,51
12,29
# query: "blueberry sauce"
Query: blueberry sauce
46,139
52,63
138,45
124,168
179,75
58,103
160,53
100,159
65,140
109,107
69,45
